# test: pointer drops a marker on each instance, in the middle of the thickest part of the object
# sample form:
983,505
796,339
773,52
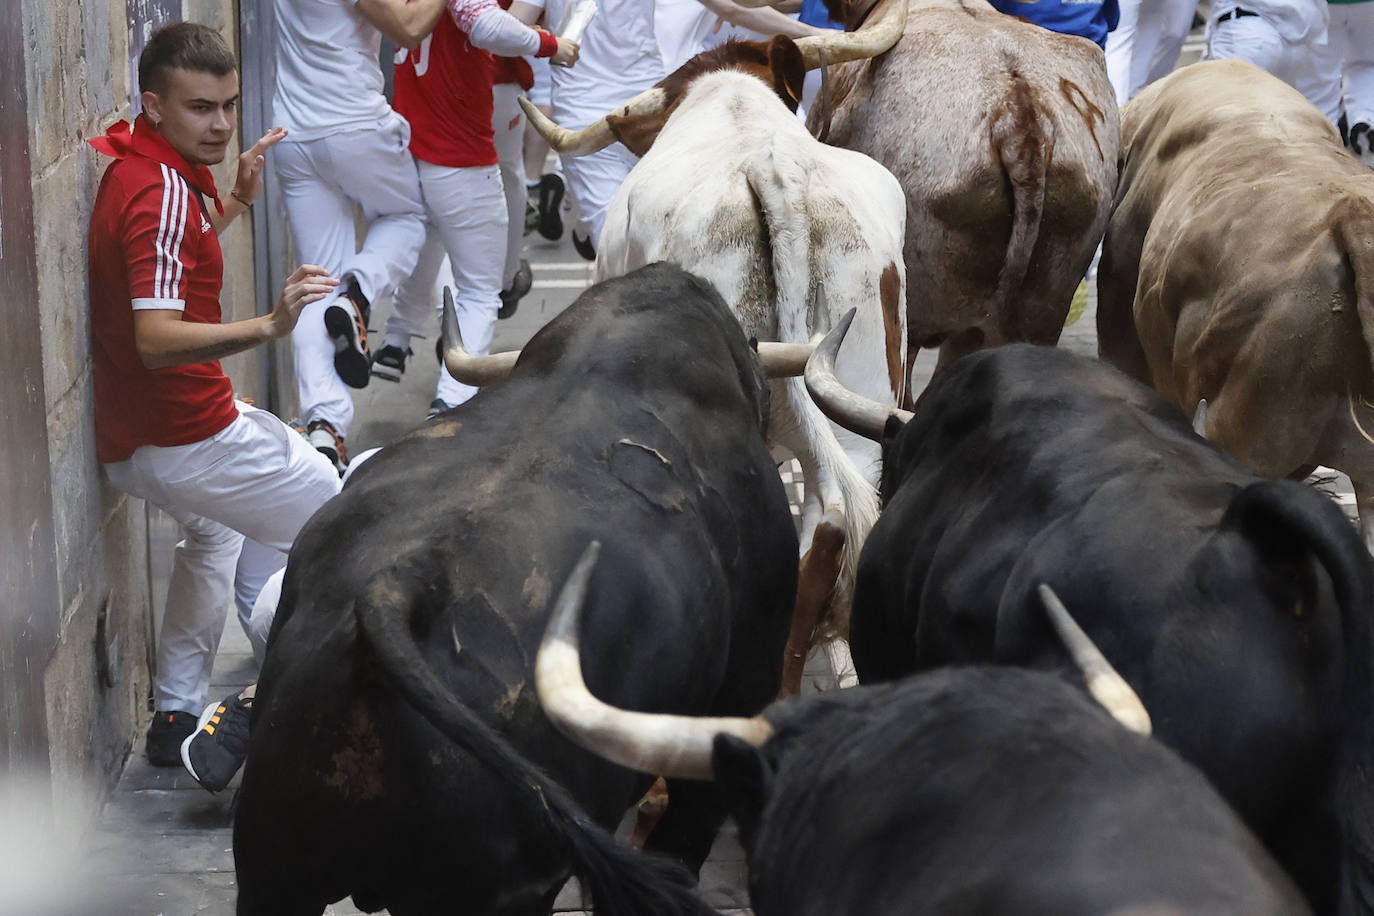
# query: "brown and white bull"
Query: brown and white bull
732,187
1238,270
1004,137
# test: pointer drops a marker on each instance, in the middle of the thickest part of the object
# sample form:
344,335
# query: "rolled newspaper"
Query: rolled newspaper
576,18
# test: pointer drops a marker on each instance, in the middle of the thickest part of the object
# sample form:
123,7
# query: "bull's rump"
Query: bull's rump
476,520
1227,274
955,110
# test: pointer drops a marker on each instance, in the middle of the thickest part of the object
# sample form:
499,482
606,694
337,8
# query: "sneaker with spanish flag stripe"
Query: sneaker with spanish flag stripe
215,750
345,321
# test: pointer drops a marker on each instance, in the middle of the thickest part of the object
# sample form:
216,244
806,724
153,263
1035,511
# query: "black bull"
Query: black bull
1239,609
636,418
964,792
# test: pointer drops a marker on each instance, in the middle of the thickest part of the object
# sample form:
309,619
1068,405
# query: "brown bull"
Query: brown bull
1238,271
1004,137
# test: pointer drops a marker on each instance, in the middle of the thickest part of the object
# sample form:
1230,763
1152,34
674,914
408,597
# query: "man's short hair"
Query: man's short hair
184,45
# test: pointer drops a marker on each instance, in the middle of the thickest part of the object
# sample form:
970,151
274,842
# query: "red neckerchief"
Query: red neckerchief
140,139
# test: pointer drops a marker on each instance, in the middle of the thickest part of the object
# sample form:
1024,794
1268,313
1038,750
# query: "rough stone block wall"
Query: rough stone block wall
77,82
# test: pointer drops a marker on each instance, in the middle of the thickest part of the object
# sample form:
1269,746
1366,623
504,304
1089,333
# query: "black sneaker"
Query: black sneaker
584,246
1362,142
519,286
345,321
215,751
390,362
165,735
550,199
436,407
328,443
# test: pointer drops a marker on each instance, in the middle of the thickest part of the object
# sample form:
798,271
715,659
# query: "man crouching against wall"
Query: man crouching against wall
168,428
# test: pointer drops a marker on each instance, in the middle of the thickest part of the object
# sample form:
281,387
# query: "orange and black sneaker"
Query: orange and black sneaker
328,443
215,751
345,321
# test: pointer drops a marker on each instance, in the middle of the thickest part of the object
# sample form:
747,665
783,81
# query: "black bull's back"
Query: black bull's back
635,418
981,791
1239,609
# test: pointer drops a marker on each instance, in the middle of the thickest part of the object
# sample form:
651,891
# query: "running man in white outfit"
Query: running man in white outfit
619,58
345,147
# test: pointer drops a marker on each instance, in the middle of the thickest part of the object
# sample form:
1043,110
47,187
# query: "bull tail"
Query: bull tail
620,880
778,180
1322,529
1024,144
1353,234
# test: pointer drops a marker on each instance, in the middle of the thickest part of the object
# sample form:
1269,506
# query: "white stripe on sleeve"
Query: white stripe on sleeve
174,282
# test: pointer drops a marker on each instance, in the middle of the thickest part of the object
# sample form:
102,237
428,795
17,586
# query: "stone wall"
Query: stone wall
77,79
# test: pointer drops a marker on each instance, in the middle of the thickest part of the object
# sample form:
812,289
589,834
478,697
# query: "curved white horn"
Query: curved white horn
784,360
1107,686
665,745
882,30
462,365
595,137
854,412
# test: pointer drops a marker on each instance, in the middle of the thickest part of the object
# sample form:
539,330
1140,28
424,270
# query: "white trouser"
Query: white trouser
322,181
1352,41
1146,43
467,219
255,479
593,182
269,596
508,121
1309,67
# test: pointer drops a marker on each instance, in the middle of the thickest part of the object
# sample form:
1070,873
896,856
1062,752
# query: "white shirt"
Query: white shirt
328,75
618,59
1296,21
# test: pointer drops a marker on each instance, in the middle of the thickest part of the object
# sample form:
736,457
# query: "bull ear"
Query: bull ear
746,780
637,132
789,70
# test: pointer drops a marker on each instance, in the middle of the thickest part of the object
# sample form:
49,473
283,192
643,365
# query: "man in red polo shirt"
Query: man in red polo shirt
168,428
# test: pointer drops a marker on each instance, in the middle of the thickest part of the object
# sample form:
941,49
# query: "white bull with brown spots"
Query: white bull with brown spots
732,187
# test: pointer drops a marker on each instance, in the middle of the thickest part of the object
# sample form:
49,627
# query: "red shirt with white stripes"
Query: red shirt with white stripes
152,247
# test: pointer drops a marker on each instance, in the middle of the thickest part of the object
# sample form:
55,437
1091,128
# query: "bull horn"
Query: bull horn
665,745
594,137
883,30
1107,686
852,411
462,365
784,360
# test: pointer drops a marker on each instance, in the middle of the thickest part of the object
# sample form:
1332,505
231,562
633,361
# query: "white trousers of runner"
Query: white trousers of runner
323,183
1309,67
467,220
1146,43
508,121
1352,42
241,497
265,607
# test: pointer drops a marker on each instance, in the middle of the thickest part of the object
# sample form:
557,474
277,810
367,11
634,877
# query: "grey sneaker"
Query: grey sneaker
390,362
